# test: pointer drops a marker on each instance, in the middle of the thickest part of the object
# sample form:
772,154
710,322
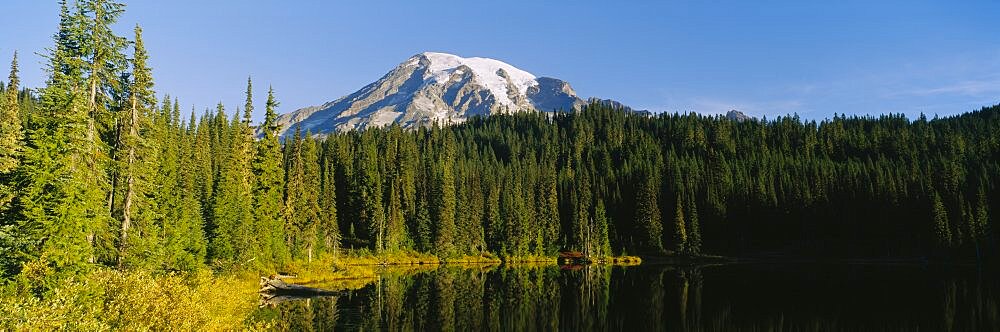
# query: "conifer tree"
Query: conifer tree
103,53
232,211
202,158
329,234
648,213
939,215
444,201
269,178
167,193
394,213
248,106
61,205
135,164
308,213
11,145
407,159
549,210
11,136
680,229
693,228
493,228
10,124
393,219
190,235
368,180
982,217
602,244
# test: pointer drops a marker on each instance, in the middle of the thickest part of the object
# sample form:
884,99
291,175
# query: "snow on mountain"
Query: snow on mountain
496,76
436,87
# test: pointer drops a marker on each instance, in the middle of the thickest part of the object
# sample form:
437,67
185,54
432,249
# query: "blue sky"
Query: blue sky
762,57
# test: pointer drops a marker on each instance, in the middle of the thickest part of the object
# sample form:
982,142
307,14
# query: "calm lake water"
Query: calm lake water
737,297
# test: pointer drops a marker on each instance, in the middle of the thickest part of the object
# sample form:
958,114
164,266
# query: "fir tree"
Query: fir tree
11,134
368,180
61,204
648,214
103,53
269,176
11,145
190,236
680,229
602,244
233,239
693,228
444,202
136,161
329,233
308,213
939,215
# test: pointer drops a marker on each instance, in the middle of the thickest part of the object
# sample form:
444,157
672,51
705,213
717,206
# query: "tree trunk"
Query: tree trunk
274,285
129,183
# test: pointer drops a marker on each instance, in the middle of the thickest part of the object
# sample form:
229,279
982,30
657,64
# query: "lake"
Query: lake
733,297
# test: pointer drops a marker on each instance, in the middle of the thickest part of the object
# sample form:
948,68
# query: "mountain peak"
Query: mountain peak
497,76
737,116
436,87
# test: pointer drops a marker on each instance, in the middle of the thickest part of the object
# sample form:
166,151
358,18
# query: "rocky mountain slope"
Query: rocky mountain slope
436,87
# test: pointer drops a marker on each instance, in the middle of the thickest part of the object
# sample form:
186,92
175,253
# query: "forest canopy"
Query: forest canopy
96,169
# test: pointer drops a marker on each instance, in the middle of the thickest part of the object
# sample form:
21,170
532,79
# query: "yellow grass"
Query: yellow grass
104,299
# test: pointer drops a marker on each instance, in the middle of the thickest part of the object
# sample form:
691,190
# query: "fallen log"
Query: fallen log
277,286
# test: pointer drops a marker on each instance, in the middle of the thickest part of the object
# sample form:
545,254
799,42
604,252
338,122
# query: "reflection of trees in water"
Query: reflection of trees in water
653,317
313,314
615,298
468,286
527,299
585,298
970,305
444,283
690,299
948,303
954,303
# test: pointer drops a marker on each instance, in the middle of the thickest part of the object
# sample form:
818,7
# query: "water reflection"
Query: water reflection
656,298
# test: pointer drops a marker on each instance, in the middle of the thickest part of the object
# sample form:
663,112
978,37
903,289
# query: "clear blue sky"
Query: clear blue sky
763,57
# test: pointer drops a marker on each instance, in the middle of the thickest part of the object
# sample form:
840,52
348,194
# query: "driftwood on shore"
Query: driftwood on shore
274,291
280,287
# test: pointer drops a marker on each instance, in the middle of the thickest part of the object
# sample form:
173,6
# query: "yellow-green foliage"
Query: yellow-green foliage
71,306
485,258
620,260
105,299
400,257
530,259
134,301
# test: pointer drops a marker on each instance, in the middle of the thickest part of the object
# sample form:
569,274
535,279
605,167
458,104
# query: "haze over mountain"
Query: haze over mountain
438,88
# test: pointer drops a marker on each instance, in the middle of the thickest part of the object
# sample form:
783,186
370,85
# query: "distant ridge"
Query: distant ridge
438,88
737,116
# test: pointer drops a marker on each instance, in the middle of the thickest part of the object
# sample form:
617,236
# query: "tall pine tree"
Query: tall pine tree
61,204
233,239
136,161
269,178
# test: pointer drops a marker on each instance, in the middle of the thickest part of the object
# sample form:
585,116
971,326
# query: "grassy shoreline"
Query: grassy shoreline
103,299
416,258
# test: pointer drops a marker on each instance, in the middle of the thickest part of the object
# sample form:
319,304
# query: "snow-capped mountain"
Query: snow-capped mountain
436,87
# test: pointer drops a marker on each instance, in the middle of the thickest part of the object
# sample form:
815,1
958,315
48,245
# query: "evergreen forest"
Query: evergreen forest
99,169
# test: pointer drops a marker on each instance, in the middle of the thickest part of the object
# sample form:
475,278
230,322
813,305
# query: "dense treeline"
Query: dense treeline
97,170
605,180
